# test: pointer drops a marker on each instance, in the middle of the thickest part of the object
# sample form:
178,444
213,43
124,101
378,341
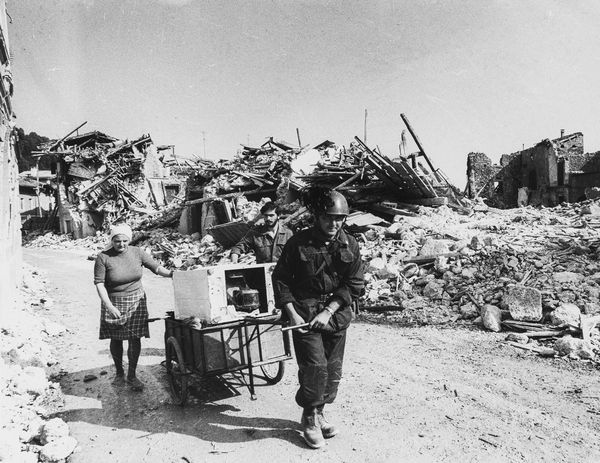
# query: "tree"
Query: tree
26,143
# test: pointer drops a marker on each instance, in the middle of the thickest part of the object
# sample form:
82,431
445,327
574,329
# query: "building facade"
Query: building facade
10,222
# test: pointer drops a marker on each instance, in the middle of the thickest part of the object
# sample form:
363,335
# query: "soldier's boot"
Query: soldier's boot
311,429
329,430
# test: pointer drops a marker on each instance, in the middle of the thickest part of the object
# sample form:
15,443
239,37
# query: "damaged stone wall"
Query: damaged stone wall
480,176
543,170
546,174
569,145
583,173
510,179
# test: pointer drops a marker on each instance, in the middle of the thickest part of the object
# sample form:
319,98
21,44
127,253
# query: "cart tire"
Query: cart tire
273,372
176,372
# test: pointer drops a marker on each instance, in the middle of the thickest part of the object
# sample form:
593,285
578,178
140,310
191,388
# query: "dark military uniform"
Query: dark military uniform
265,247
310,273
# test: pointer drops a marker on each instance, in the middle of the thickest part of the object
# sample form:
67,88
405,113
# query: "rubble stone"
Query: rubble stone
53,430
469,311
518,337
490,241
491,317
591,308
413,304
458,246
53,329
376,265
590,209
422,281
28,457
573,347
434,289
468,272
433,247
524,303
26,355
567,277
441,264
31,380
477,243
388,271
593,292
33,428
58,450
566,314
11,445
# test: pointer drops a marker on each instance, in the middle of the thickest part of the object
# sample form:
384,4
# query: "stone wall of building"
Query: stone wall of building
569,145
586,163
10,223
480,173
510,179
10,220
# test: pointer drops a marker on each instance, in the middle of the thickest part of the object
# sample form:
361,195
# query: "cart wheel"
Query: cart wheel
176,372
273,371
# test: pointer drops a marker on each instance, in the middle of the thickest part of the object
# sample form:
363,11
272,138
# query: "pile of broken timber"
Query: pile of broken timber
399,175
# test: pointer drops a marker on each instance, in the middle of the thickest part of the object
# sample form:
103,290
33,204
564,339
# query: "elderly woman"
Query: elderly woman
124,315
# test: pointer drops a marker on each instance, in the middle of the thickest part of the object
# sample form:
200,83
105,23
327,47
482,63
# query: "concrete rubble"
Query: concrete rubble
28,397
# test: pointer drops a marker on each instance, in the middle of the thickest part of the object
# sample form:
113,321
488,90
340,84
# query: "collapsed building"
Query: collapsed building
225,197
547,174
101,179
37,193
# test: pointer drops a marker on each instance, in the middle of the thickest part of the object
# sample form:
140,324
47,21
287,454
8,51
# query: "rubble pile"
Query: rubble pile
53,240
252,168
526,270
183,252
28,398
371,181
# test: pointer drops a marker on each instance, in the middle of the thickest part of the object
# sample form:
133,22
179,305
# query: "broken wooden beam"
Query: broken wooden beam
439,201
419,145
228,195
429,259
392,210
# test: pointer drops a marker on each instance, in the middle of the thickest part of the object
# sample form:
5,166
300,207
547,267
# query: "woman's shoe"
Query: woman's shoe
135,384
118,380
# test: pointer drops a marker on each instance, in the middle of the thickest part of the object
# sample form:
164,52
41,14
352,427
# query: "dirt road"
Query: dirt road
408,394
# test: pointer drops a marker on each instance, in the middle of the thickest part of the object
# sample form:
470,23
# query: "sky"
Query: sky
487,76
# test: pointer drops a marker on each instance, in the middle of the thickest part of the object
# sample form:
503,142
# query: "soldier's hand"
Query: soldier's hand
298,320
320,321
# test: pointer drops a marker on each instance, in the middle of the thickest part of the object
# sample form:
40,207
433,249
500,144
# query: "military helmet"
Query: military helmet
338,204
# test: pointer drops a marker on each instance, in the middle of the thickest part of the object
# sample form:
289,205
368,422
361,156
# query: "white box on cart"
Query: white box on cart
202,292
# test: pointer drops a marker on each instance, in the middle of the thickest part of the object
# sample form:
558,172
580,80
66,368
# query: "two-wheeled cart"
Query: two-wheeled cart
236,346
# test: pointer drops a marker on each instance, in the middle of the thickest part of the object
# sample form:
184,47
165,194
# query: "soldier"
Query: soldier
267,241
317,278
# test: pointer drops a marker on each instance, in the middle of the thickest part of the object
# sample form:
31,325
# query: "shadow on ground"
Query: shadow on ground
100,402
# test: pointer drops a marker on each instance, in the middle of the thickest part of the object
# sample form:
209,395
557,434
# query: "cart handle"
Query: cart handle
295,327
